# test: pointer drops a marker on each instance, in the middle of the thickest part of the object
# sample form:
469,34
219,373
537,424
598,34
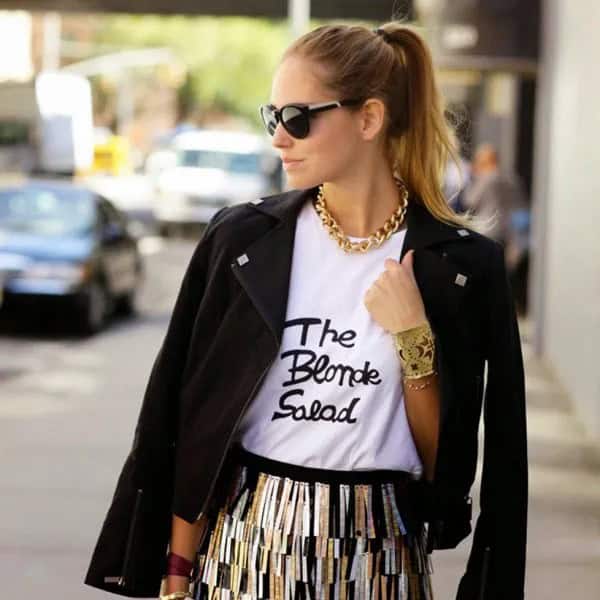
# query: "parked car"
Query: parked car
64,246
211,169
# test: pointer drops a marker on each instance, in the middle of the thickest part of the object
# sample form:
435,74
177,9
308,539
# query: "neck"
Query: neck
361,205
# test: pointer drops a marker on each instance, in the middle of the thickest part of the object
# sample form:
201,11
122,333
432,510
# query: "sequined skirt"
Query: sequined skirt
289,532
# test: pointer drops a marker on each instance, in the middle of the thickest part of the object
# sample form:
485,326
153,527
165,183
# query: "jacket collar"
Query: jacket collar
423,229
264,267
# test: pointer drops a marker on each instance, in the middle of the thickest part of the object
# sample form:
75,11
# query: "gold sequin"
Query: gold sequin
333,540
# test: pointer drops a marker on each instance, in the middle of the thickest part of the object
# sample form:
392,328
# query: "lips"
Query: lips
290,160
291,165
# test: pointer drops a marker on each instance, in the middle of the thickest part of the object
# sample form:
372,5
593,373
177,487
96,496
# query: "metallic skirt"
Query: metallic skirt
288,532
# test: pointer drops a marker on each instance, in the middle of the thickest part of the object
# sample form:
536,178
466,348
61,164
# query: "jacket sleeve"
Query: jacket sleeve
496,565
130,552
157,421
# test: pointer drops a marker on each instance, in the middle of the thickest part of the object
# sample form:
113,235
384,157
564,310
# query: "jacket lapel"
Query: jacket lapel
264,267
266,273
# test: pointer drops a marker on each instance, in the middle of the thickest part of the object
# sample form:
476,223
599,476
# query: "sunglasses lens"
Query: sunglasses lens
269,120
295,121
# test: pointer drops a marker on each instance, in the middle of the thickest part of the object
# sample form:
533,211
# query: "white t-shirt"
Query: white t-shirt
333,398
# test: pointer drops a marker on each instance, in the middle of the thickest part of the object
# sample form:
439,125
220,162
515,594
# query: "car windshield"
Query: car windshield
46,211
232,162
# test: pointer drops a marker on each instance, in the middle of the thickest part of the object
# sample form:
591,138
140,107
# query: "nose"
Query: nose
281,138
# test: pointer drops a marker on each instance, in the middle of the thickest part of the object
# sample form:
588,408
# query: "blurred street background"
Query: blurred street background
125,126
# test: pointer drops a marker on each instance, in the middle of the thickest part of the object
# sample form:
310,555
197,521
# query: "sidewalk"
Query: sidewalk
563,550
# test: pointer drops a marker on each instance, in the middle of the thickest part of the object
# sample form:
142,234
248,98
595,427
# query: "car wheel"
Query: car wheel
96,308
126,304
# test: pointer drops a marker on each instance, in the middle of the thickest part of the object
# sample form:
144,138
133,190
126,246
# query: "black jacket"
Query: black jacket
224,334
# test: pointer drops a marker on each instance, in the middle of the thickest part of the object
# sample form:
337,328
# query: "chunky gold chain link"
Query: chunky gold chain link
374,239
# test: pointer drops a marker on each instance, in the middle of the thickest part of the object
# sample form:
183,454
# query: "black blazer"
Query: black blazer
225,333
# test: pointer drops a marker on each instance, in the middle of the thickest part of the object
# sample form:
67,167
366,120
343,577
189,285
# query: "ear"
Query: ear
372,118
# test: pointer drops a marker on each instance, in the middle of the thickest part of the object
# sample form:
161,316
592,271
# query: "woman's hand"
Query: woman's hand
394,299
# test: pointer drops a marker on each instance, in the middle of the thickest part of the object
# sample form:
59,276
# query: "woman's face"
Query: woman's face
333,144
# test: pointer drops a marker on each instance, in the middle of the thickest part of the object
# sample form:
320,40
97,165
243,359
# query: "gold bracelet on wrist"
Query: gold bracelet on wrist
412,386
416,349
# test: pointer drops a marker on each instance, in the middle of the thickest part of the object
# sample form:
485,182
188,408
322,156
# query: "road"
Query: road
67,415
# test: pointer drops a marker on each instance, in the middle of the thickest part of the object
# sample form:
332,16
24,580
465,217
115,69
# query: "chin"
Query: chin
302,180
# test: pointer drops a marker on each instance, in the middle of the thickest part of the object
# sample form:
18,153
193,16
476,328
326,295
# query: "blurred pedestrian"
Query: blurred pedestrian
499,194
295,440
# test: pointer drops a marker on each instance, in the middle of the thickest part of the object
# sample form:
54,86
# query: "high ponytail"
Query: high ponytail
394,65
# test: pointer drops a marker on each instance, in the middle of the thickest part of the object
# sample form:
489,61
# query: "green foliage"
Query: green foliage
230,60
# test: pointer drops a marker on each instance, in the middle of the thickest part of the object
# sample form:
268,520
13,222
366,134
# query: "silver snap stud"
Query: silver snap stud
243,259
460,279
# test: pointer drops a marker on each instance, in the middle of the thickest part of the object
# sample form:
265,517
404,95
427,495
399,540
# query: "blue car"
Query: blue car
63,245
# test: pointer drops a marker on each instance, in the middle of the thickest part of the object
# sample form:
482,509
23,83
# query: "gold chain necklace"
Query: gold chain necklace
374,239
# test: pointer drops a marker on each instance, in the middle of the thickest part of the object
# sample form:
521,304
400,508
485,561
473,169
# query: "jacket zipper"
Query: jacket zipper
434,527
122,581
234,429
484,572
438,368
214,479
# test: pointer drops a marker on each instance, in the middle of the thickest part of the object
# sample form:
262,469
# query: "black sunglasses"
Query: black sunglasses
295,117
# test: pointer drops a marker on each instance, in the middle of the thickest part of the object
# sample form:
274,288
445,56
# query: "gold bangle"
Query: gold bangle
416,349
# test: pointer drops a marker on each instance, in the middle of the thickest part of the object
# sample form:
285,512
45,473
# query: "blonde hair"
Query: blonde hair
398,69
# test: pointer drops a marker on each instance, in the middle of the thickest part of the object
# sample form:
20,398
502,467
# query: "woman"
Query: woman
310,424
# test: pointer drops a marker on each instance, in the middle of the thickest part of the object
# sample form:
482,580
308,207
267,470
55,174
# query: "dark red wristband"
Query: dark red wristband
179,565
